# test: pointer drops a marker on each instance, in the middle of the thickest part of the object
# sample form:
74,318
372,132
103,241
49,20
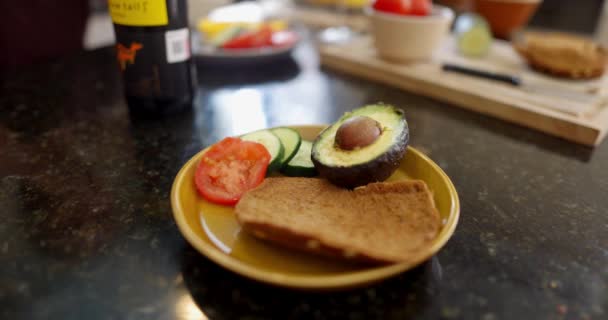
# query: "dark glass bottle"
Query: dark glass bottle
153,53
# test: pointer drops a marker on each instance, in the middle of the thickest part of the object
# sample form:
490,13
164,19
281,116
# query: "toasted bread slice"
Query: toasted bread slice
383,222
563,55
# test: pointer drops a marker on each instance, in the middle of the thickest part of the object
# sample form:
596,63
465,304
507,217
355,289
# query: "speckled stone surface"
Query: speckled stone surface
86,230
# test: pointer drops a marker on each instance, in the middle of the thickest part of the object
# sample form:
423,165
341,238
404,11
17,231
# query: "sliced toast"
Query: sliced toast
563,55
383,222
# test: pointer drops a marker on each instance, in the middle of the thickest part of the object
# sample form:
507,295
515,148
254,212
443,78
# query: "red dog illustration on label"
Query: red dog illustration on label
127,55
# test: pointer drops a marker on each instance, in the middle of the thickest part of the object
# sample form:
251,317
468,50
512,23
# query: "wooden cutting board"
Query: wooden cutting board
582,122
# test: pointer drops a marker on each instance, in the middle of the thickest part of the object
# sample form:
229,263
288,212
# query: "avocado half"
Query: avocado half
372,163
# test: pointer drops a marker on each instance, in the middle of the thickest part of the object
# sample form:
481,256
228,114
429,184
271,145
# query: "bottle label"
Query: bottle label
178,45
139,12
154,64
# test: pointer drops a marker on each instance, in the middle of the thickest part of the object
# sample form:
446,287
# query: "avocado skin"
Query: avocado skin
378,169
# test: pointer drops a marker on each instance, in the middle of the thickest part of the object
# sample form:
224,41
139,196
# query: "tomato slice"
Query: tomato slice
394,6
230,168
421,7
252,39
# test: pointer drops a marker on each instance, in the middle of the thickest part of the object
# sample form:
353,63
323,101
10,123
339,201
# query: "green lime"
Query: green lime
473,35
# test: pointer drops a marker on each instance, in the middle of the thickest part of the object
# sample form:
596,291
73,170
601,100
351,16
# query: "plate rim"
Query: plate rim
307,282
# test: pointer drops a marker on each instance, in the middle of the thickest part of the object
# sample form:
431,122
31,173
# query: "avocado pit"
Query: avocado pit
357,132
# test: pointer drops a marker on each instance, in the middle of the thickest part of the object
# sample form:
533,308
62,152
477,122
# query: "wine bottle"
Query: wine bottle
153,53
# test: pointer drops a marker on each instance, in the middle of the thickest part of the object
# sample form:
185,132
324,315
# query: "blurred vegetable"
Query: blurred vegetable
394,6
251,39
473,35
223,36
405,7
211,29
421,7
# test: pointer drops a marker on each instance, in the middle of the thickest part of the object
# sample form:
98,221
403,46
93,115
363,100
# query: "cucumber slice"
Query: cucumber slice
291,141
272,144
301,165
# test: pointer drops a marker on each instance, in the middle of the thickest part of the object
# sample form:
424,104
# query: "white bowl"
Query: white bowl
404,38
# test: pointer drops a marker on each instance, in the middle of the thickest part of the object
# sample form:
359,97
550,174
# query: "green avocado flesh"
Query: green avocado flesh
374,162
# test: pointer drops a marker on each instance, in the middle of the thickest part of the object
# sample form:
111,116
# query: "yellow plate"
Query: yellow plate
214,232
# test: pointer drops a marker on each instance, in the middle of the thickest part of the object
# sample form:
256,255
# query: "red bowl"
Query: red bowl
506,16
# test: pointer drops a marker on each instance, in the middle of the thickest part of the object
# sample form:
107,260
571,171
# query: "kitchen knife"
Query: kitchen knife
578,96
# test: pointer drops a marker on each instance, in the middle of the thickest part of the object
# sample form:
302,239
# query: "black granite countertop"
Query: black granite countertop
86,230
